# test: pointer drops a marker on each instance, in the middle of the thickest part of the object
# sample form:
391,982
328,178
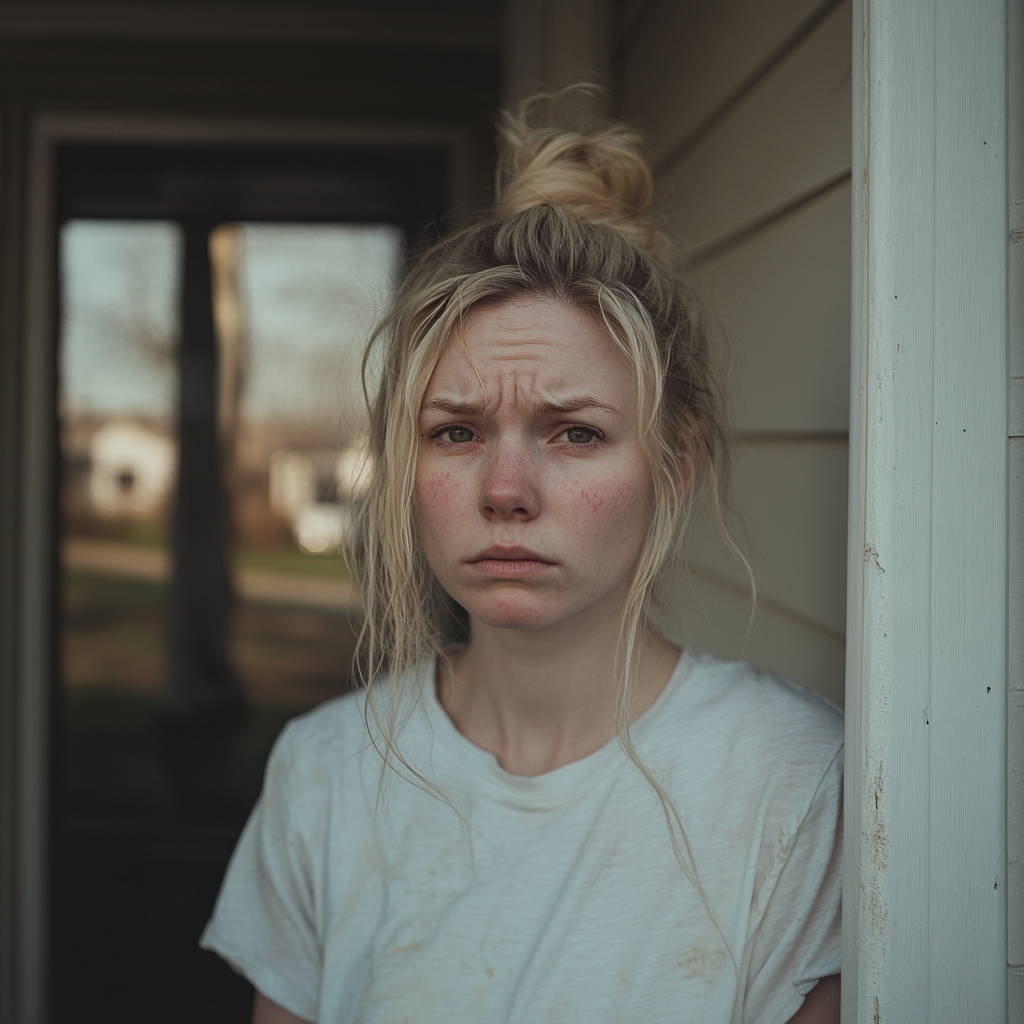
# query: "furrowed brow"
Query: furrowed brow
574,405
452,406
455,407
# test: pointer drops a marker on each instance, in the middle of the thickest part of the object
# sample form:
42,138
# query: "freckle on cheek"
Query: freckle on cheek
440,488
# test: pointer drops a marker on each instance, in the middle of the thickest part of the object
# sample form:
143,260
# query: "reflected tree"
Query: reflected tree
204,700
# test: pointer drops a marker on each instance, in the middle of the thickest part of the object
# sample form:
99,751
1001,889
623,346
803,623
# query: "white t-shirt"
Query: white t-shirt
551,898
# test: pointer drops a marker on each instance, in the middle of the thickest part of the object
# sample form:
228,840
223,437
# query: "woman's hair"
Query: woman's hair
570,222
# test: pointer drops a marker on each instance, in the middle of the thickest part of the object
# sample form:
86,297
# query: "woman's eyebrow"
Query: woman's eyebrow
574,404
452,405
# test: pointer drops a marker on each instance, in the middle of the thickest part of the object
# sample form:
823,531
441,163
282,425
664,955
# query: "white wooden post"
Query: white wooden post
925,884
1015,506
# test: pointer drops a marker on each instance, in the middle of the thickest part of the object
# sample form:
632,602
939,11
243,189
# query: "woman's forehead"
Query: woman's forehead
529,318
537,346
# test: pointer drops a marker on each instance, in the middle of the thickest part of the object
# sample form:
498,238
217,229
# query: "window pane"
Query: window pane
308,297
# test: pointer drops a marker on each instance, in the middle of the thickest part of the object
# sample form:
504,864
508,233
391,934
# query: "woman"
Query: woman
539,809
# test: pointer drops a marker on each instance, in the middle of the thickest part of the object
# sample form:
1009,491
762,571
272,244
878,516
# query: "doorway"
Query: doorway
212,302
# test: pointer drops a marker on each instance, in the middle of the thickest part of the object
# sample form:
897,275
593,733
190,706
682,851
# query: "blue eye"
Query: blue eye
580,435
457,435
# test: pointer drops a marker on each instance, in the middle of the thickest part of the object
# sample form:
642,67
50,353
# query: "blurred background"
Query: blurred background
161,755
203,208
214,304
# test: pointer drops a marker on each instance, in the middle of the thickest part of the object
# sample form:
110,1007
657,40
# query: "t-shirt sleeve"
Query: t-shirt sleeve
264,921
799,937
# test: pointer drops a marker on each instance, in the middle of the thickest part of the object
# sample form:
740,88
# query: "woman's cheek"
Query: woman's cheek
438,495
612,505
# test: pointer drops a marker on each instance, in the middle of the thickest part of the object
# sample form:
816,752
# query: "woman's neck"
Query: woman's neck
540,699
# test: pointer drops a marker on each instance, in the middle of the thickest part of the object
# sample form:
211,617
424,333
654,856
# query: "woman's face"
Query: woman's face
533,493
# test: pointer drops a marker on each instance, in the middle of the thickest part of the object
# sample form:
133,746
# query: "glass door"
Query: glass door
164,720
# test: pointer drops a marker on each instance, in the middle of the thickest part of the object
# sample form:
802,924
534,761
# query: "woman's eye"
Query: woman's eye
580,435
456,435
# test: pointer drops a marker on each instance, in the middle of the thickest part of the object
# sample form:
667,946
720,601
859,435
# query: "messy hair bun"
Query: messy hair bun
595,171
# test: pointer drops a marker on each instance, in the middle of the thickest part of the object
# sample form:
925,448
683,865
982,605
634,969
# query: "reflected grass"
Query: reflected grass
292,562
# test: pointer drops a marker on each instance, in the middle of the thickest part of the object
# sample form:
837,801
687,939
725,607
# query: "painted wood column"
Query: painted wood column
925,884
1015,507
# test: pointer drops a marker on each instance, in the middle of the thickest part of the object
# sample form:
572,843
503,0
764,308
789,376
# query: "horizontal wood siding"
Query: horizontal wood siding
782,299
689,56
745,106
790,497
782,141
709,616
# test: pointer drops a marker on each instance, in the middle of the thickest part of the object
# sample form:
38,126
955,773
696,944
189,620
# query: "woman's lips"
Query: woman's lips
509,563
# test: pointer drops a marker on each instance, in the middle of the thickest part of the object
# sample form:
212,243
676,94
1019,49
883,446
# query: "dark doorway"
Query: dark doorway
203,598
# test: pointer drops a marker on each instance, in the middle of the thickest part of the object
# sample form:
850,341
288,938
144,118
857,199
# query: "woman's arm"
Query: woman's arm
820,1007
266,1011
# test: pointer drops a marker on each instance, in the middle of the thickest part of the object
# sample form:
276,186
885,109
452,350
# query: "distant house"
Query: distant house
314,489
131,469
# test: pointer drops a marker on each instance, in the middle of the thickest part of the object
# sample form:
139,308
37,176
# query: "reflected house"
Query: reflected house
131,469
315,490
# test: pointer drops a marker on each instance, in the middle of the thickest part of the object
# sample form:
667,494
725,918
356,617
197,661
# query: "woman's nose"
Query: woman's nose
509,489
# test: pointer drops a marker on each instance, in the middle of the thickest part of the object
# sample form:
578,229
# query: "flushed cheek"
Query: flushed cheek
434,488
611,505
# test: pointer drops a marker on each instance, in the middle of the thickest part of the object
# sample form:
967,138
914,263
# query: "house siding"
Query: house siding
745,108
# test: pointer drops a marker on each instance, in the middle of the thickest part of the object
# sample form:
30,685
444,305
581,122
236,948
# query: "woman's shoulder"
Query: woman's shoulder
327,725
744,737
731,720
321,748
340,731
751,698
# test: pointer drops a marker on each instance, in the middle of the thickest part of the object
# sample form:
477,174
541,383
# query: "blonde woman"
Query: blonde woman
538,809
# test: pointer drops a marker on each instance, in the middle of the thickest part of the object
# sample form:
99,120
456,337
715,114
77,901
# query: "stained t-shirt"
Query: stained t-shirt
356,898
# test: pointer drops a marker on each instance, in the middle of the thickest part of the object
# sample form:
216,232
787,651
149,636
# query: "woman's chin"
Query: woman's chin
514,614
